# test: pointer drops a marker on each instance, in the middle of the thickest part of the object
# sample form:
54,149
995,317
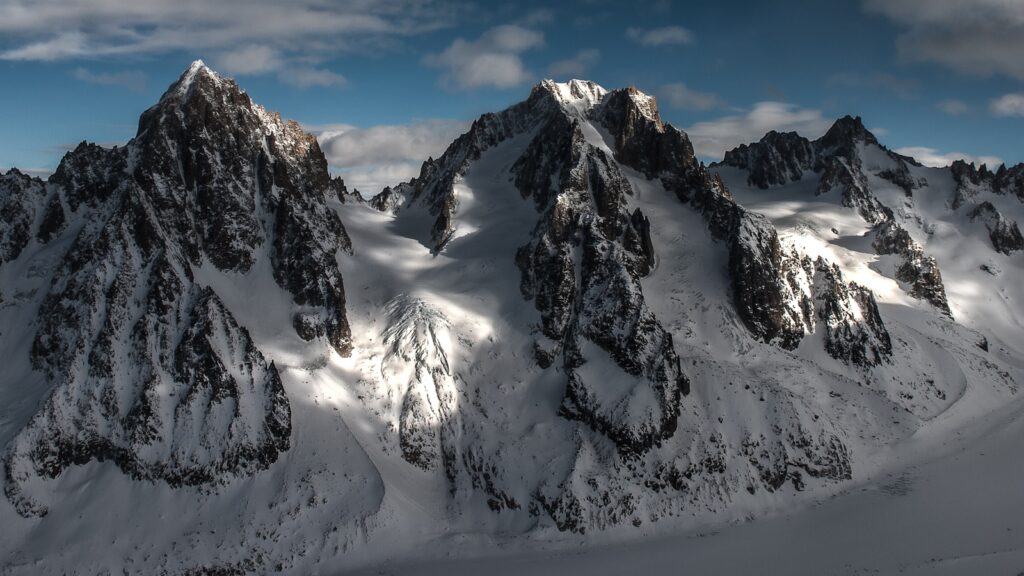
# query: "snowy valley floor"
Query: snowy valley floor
948,507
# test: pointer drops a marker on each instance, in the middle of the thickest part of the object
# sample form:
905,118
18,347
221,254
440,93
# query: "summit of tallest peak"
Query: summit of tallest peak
578,93
198,69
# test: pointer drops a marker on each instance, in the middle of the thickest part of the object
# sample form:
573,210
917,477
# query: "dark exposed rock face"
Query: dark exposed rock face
1009,181
854,332
971,179
1005,234
151,370
22,202
600,309
642,141
919,271
779,158
824,456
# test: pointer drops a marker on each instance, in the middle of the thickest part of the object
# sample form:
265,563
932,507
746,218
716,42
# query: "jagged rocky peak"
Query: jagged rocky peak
149,368
971,180
1004,233
845,132
207,136
779,158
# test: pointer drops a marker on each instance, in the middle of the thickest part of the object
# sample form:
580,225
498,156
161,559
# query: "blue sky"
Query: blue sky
386,83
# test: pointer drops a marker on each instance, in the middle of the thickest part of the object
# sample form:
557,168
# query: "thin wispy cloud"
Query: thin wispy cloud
953,107
900,86
133,80
712,139
576,66
256,59
680,96
246,36
492,60
668,35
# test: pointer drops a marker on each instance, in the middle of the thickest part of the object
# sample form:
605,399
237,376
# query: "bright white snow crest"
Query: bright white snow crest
546,352
580,94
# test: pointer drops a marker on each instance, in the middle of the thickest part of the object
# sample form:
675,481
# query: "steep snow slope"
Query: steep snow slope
565,329
945,504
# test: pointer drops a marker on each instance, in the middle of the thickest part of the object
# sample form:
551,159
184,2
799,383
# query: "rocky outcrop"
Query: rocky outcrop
769,285
1009,181
971,180
854,332
642,141
779,158
150,369
23,202
1004,233
915,269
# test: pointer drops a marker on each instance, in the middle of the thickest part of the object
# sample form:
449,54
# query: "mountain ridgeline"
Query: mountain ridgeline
565,322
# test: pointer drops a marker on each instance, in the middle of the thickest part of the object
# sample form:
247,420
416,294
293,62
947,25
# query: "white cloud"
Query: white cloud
712,139
493,60
932,157
260,59
679,95
538,17
251,59
371,158
660,36
974,36
1008,105
291,39
310,77
953,107
576,66
902,87
131,79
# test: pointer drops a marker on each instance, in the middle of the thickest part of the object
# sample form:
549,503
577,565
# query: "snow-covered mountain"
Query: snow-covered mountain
565,325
